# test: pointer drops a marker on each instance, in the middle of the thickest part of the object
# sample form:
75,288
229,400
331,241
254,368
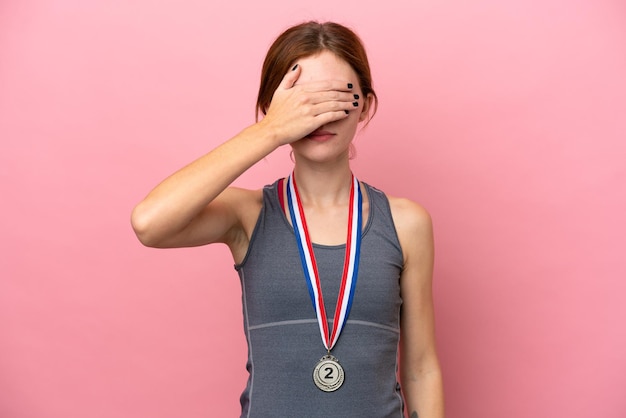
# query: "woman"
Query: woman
319,229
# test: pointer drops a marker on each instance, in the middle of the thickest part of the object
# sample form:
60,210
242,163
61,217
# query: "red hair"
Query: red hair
307,39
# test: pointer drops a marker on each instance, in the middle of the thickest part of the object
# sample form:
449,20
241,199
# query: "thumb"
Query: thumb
291,77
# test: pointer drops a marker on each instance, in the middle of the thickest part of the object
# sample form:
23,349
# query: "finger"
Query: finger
329,117
334,106
327,85
333,95
291,77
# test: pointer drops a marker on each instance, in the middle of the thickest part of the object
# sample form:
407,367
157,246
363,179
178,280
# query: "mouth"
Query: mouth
320,135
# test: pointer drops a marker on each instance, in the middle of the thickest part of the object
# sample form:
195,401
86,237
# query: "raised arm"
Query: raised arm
195,205
419,366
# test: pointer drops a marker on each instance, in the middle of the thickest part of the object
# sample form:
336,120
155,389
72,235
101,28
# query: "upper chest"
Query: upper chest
329,225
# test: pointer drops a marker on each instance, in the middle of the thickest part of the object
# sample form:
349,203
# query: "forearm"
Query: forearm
423,394
295,111
171,205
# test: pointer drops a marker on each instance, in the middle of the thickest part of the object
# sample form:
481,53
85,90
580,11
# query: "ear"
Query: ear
365,108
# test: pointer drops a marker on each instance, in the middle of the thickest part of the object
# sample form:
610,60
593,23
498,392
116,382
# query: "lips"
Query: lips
320,135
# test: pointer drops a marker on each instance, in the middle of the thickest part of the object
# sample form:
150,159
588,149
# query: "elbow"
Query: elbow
143,226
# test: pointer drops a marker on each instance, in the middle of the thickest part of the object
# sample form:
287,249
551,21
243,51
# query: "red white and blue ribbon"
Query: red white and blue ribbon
309,265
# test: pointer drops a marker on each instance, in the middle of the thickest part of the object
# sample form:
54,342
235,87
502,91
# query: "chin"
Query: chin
321,156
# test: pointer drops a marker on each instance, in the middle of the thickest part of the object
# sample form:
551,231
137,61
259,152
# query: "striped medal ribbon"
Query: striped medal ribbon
328,374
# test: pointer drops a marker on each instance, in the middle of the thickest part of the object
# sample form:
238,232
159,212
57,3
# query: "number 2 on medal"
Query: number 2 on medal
329,375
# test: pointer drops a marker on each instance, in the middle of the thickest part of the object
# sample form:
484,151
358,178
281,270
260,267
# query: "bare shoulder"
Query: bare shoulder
229,219
409,216
238,195
244,203
234,213
413,226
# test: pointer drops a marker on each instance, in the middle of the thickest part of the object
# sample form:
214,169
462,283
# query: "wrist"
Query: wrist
263,135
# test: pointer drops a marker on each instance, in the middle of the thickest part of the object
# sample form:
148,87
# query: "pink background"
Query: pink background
507,120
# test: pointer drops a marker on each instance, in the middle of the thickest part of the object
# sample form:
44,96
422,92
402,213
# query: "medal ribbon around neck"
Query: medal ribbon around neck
309,265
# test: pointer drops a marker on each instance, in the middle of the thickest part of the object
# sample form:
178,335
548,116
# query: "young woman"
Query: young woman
335,275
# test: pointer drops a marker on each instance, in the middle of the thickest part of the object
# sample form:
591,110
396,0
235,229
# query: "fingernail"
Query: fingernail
356,97
294,67
349,85
355,104
347,113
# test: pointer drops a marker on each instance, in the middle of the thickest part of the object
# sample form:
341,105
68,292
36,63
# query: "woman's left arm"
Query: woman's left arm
420,373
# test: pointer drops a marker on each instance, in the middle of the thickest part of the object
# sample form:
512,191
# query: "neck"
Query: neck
323,186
